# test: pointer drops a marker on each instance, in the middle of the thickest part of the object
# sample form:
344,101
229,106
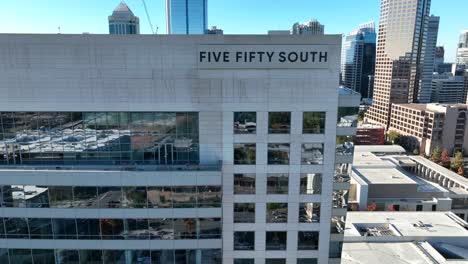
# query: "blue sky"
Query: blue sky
233,16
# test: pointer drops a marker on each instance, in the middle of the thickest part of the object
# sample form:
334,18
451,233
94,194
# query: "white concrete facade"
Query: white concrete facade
161,73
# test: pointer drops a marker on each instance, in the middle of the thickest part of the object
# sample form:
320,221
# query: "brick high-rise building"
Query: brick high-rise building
400,55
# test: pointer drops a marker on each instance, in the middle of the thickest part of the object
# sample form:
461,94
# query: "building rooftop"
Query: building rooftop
395,253
388,149
403,226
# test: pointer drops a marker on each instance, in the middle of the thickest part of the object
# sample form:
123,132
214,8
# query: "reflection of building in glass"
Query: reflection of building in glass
139,155
186,16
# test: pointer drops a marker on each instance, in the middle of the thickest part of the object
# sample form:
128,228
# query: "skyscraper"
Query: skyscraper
439,55
462,48
312,27
424,93
400,50
123,21
358,59
186,16
130,152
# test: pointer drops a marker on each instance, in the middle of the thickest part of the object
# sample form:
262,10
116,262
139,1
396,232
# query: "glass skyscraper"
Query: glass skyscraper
424,93
358,59
186,16
462,49
123,21
400,55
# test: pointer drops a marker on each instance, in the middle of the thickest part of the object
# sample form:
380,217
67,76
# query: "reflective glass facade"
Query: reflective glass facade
97,138
186,16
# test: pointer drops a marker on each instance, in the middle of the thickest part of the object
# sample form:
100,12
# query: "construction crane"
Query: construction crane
149,19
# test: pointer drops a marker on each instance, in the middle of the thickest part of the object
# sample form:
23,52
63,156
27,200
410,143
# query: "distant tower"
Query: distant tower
186,16
429,51
123,21
312,27
462,48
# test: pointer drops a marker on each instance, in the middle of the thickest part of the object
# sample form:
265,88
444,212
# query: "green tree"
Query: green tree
457,162
392,135
416,151
436,155
445,159
461,171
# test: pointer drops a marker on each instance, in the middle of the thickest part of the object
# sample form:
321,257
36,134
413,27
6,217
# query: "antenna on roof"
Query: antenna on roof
148,17
59,32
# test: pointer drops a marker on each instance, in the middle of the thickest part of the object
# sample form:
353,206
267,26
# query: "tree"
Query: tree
457,162
445,159
372,207
392,135
416,151
461,171
436,155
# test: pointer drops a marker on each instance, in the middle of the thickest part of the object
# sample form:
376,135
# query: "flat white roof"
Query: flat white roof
436,224
380,148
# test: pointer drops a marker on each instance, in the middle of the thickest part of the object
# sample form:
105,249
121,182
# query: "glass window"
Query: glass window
112,228
159,197
114,256
244,261
275,261
306,261
276,240
245,122
110,197
67,256
211,256
136,228
134,197
64,228
209,196
340,199
88,229
244,154
3,253
244,213
277,213
277,183
335,249
311,183
344,145
244,183
348,116
309,212
43,256
22,256
244,240
161,228
209,228
16,228
36,196
184,196
279,122
61,196
342,172
185,228
278,154
337,225
85,197
185,256
40,228
313,123
162,256
90,256
139,256
312,153
307,240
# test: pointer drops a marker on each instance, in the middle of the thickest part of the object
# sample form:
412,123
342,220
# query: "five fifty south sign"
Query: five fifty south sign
263,56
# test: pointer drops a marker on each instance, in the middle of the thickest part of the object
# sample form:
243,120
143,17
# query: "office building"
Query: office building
462,48
312,27
358,59
123,21
439,55
405,237
448,89
214,31
429,125
400,51
186,16
166,153
424,93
